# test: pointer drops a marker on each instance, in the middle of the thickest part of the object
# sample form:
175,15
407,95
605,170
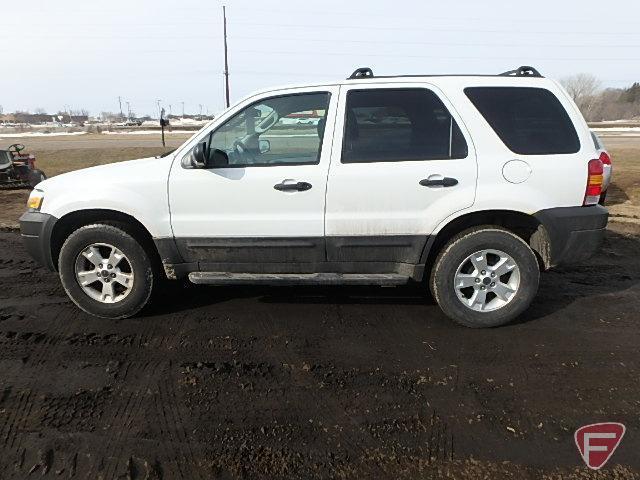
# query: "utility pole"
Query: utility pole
226,57
169,109
159,112
200,105
182,109
120,103
128,111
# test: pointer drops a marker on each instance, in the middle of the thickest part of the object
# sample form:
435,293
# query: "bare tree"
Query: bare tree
581,85
583,88
40,111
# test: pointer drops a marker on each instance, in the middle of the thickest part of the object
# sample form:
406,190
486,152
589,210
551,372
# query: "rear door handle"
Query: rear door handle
439,182
292,186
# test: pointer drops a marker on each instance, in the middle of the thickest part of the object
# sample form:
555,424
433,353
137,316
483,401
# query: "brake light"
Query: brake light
594,182
605,158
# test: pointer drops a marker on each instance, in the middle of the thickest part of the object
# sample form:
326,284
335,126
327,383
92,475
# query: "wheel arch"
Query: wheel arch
70,222
524,225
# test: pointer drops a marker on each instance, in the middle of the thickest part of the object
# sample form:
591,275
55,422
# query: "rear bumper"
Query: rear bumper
36,228
575,233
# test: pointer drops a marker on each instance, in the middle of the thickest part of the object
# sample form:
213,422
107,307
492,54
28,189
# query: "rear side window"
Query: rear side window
529,121
394,125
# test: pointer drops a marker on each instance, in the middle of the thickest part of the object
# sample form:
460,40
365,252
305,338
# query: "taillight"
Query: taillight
594,182
605,158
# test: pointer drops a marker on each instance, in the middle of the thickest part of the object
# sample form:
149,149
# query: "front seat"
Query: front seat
321,124
352,135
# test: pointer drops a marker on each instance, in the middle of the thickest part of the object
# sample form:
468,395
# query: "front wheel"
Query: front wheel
485,277
105,271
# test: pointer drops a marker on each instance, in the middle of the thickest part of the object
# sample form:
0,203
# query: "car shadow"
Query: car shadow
616,195
609,271
614,268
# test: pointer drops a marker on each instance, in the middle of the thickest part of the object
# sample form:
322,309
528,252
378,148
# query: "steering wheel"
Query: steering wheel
16,147
242,151
239,147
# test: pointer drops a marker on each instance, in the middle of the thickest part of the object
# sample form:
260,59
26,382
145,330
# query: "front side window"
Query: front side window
394,125
529,121
284,130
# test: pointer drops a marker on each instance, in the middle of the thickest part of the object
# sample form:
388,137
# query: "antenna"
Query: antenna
226,57
120,103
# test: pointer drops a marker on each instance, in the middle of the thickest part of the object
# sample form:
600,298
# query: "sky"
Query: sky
84,54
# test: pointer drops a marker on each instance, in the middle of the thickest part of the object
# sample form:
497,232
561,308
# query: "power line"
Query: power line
431,28
443,44
474,57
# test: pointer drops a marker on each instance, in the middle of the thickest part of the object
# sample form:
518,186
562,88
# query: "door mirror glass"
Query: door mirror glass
264,146
198,157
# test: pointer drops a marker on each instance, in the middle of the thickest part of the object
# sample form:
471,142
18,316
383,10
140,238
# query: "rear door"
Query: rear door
401,163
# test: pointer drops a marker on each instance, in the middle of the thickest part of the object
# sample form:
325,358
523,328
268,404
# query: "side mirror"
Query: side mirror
219,159
199,156
264,146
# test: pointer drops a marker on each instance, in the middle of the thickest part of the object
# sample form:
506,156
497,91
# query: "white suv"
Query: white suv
471,183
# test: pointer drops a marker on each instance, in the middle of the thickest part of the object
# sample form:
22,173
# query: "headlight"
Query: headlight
35,200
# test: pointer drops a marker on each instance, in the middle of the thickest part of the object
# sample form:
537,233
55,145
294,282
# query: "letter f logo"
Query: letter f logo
597,442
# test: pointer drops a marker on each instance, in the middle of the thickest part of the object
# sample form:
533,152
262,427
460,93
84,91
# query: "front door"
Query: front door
265,208
401,164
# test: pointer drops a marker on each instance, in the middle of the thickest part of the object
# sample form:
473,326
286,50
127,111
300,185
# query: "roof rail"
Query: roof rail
362,72
524,71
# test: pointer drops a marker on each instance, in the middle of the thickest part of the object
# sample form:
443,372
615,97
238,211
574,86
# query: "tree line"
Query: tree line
598,104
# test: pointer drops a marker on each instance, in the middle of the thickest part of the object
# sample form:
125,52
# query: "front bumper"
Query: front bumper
574,233
36,229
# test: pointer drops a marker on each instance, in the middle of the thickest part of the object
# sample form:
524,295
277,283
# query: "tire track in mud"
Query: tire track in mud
134,412
42,353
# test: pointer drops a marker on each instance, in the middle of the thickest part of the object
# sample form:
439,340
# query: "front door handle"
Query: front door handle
439,182
293,186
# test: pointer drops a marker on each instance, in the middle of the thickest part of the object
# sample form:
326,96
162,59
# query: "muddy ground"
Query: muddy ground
320,382
317,383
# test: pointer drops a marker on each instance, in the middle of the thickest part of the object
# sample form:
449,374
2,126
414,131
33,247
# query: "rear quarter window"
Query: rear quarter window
529,121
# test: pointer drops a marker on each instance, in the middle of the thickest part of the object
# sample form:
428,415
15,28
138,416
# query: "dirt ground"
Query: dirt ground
320,382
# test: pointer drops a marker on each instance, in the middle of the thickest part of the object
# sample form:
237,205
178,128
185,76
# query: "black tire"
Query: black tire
35,177
465,244
603,198
141,266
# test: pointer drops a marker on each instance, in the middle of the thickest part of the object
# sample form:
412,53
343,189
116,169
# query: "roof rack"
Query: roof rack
362,72
524,71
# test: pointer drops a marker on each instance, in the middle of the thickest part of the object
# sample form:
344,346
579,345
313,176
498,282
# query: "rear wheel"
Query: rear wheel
105,271
485,277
